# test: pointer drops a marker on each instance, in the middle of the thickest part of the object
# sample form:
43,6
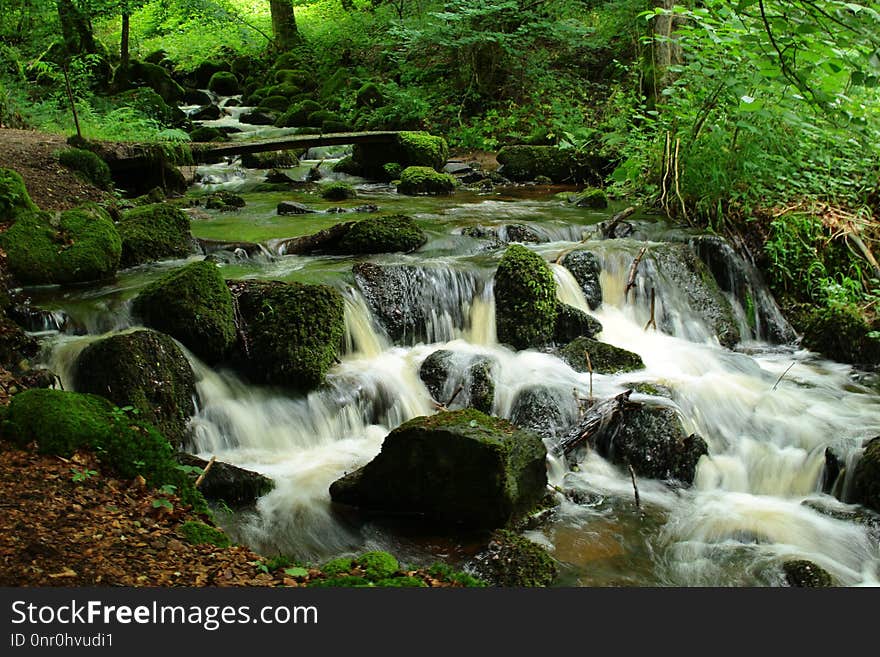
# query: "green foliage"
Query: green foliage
92,167
14,197
341,581
337,566
198,533
445,572
79,475
377,565
62,422
525,298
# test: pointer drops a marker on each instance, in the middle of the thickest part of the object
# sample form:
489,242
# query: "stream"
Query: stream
767,410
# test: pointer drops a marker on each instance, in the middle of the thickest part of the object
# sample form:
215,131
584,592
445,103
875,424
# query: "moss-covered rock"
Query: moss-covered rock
520,163
143,369
81,245
572,323
153,76
62,422
839,332
349,166
154,106
525,299
274,103
547,411
592,198
154,232
194,305
604,358
377,565
319,117
512,560
387,234
270,160
412,149
369,96
207,133
805,574
586,268
457,467
224,83
297,115
865,487
14,197
338,191
198,533
223,200
88,165
291,332
424,180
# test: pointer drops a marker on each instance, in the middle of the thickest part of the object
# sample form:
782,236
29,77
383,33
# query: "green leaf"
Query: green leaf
296,572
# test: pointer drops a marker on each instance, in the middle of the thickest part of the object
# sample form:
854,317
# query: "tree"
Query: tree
284,24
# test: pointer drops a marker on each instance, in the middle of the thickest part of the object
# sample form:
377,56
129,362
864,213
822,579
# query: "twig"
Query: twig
781,376
205,471
454,395
632,475
631,280
667,164
677,188
72,103
590,368
608,227
651,321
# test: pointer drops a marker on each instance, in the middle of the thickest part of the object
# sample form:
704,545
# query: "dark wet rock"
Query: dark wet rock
592,198
457,168
525,299
511,560
572,323
276,177
197,97
257,118
194,305
457,467
406,298
206,113
236,487
806,574
548,412
839,332
292,207
865,487
290,333
652,440
505,233
586,268
444,371
36,319
223,200
144,369
835,466
369,207
604,358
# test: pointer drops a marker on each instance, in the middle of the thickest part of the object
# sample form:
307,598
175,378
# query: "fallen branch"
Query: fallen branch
596,418
651,322
454,395
608,227
590,369
782,376
205,471
632,475
631,280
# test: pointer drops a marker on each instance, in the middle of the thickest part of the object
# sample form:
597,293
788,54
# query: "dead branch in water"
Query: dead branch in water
205,471
590,368
631,280
632,475
608,227
595,419
651,322
782,376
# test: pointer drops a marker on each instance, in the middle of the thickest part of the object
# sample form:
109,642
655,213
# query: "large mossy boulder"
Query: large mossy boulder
511,560
525,299
224,83
386,234
88,165
78,245
865,488
194,305
604,358
839,332
457,467
62,422
653,440
291,333
297,115
459,380
415,181
521,163
586,268
154,232
411,149
150,75
143,369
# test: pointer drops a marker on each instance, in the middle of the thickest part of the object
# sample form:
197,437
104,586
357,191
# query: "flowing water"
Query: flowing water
767,411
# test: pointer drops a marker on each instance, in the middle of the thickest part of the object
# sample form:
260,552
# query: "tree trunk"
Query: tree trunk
665,50
283,24
76,29
123,42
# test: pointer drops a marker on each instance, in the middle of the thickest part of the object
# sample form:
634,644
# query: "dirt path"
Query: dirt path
51,186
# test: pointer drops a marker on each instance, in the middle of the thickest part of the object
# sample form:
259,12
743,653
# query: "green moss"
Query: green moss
330,126
593,198
298,115
274,103
423,149
348,165
154,77
194,305
154,232
840,332
62,422
383,235
88,164
866,477
337,566
392,170
318,117
604,358
401,582
424,180
345,581
293,331
82,245
150,103
515,561
560,165
377,565
14,197
198,533
270,160
224,83
446,573
369,96
337,191
525,299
